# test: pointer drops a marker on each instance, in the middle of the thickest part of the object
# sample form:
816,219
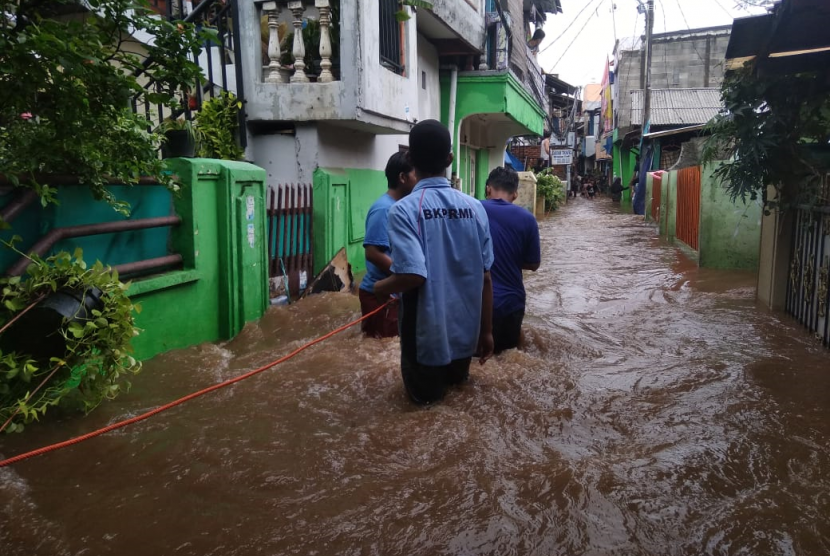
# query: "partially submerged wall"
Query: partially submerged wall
730,232
342,197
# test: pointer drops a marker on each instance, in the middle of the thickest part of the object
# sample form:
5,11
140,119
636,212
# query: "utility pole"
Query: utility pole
647,92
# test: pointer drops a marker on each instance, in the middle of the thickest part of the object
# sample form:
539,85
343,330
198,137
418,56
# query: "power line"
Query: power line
578,34
665,29
568,28
724,9
689,28
631,61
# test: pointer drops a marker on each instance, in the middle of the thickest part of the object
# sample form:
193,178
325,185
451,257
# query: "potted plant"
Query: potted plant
218,125
551,187
180,138
65,335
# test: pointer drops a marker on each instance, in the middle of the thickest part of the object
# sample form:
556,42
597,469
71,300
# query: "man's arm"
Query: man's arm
408,270
532,256
485,336
378,258
397,283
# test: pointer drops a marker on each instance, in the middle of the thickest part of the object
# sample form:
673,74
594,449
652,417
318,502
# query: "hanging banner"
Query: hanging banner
607,109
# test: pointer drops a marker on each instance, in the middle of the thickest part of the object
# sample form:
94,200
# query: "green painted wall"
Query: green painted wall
623,166
342,197
222,239
730,233
668,205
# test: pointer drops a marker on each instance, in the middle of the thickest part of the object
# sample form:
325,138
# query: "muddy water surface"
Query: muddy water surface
655,410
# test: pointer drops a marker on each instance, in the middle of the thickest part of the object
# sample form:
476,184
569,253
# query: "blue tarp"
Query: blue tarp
639,200
514,162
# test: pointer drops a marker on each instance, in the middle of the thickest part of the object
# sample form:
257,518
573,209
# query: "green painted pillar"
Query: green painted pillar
238,190
243,242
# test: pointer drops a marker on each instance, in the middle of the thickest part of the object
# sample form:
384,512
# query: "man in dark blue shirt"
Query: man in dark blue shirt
515,236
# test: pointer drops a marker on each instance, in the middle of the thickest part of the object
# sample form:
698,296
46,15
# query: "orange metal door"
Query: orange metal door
688,206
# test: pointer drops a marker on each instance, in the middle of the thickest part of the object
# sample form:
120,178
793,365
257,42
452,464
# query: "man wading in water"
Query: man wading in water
515,236
441,257
400,177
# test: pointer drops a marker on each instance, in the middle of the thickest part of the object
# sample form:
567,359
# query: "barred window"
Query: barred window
391,37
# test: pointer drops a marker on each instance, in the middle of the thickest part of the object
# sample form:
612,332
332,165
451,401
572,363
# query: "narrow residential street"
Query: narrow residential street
655,410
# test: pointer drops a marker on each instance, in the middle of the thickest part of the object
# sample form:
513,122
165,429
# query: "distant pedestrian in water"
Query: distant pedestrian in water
591,190
400,179
441,259
576,185
617,189
515,248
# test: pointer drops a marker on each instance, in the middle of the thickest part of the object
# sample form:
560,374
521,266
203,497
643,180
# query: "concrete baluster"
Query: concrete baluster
272,9
298,51
324,8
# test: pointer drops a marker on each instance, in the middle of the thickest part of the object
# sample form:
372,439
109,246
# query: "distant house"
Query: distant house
690,60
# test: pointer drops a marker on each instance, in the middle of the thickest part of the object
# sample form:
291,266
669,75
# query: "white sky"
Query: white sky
584,60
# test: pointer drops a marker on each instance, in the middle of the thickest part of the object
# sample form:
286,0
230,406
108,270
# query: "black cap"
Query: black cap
429,146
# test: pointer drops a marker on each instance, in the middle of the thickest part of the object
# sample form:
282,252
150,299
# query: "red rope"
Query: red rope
189,397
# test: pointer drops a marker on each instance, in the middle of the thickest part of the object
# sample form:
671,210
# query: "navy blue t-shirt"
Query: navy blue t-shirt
515,236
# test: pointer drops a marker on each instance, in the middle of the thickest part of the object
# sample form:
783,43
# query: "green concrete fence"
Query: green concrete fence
222,239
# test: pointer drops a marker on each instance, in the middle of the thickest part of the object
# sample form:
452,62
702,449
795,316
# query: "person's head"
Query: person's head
400,176
617,181
502,183
430,148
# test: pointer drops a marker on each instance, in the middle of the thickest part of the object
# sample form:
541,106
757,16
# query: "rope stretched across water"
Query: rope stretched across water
165,407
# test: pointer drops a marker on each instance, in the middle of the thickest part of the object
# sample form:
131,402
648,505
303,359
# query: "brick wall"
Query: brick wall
528,154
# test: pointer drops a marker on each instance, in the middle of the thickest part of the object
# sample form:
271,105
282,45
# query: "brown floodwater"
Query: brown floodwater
656,409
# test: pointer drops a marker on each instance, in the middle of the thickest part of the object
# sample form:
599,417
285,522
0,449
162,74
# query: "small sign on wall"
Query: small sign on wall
250,208
561,157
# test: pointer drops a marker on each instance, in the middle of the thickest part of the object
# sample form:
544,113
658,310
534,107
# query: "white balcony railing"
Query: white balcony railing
274,71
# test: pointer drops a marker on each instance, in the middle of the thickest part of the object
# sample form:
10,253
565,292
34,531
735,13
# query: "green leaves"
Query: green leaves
769,136
551,187
97,349
79,83
217,123
403,15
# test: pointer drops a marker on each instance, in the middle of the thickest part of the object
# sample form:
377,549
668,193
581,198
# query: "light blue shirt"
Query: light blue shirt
376,234
442,235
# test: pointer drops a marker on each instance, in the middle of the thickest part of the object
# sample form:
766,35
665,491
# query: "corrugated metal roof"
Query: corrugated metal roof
677,106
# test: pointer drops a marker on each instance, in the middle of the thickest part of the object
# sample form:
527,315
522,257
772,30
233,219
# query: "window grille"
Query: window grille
391,51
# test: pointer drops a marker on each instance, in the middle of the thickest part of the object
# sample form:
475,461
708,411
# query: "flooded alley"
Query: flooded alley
655,409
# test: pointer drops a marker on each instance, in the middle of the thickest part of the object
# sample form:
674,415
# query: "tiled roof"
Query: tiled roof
680,107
